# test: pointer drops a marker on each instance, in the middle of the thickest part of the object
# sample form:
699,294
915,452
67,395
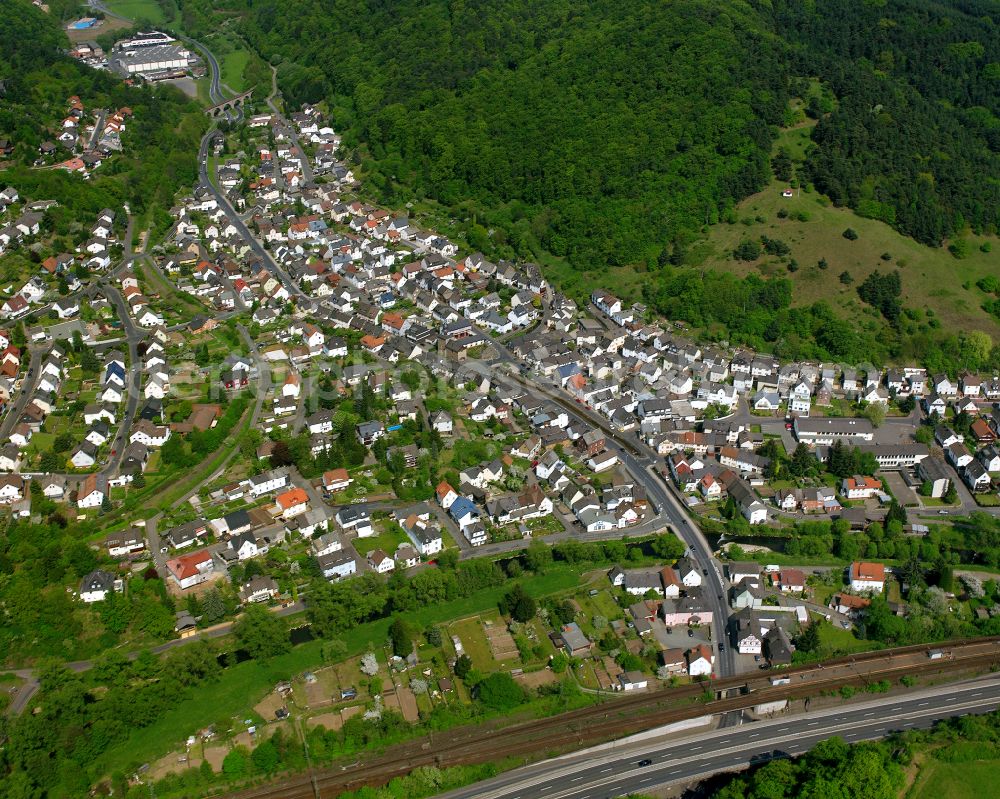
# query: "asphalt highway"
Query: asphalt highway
614,771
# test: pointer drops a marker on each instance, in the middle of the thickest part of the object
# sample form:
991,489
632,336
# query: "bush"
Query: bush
960,248
234,765
748,250
850,234
463,666
499,691
402,640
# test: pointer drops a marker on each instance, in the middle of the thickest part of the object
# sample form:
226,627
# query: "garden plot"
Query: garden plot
215,755
268,705
331,721
474,643
324,691
174,763
500,641
536,679
407,702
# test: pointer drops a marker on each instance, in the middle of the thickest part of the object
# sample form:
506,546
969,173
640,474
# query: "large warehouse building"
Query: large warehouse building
145,60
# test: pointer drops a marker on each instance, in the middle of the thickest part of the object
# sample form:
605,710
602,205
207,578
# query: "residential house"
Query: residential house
96,586
190,570
700,661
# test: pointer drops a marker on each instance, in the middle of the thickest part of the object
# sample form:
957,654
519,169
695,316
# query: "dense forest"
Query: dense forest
160,142
605,132
914,138
596,132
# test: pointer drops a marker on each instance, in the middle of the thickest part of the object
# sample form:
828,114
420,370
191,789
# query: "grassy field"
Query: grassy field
147,10
939,780
233,65
837,639
932,278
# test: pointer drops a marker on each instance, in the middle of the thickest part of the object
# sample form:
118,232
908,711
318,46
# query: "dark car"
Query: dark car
645,762
690,633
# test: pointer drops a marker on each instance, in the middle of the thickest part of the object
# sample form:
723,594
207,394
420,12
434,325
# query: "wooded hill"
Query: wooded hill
604,131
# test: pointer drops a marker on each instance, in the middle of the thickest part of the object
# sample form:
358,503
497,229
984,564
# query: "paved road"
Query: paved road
614,771
28,384
255,244
667,506
98,129
214,87
307,170
133,379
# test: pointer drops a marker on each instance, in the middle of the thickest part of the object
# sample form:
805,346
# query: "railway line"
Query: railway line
631,714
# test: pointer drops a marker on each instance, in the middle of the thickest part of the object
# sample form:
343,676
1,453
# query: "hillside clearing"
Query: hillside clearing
932,278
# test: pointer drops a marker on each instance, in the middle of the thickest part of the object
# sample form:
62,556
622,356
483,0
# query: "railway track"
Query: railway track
628,715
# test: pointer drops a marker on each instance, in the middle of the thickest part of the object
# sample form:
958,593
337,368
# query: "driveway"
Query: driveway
678,638
900,490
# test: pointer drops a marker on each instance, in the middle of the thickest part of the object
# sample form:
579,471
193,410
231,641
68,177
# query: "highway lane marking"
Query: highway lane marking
793,737
923,704
605,771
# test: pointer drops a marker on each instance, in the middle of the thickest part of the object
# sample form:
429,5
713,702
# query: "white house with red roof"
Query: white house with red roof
867,577
192,569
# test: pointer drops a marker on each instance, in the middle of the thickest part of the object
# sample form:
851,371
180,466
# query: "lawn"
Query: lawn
245,684
936,502
56,424
837,640
474,643
387,541
233,64
939,780
42,441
